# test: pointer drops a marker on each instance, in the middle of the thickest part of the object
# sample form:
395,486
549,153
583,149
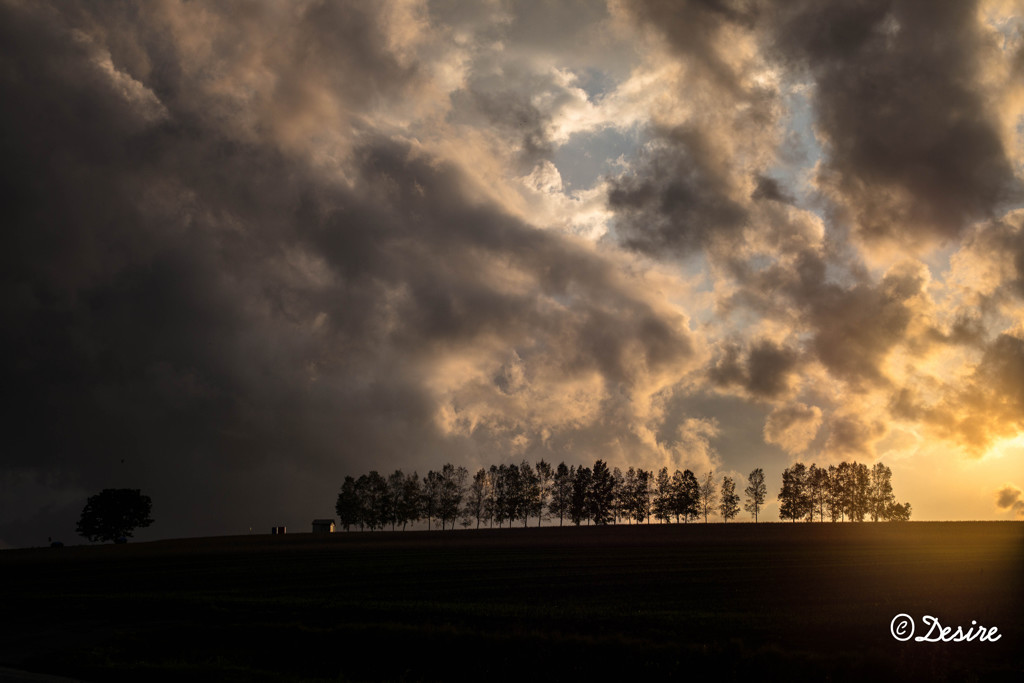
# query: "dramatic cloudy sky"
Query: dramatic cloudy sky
251,247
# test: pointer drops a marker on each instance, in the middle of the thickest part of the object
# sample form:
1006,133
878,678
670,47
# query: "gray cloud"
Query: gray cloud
692,29
770,189
850,436
765,372
793,426
912,153
679,200
194,308
493,100
1010,499
913,148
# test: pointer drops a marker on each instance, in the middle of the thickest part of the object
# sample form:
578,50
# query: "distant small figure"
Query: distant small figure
55,544
121,539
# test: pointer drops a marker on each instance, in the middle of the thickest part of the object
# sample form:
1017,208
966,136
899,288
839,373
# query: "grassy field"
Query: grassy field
661,602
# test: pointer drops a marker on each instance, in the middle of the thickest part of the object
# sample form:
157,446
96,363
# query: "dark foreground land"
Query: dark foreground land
806,601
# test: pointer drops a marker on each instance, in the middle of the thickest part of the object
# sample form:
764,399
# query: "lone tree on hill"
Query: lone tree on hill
114,513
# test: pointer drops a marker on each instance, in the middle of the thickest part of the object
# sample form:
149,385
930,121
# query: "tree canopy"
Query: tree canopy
114,513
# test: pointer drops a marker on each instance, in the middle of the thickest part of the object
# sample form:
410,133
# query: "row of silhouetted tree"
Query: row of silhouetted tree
839,492
511,494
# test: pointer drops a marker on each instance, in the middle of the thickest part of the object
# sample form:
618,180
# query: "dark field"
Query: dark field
808,601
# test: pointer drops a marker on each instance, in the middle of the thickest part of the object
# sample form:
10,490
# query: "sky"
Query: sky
250,248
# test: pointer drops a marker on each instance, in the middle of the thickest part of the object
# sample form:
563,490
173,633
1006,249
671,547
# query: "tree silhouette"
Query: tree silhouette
794,499
476,498
833,497
515,493
372,489
509,498
529,482
520,492
453,488
899,513
687,495
114,513
561,492
640,497
861,492
396,481
756,492
579,505
602,489
708,494
881,496
545,482
431,495
663,496
677,491
817,489
348,505
730,505
620,495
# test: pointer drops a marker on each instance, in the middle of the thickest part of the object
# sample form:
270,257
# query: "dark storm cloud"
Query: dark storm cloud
913,147
770,189
851,328
764,373
678,199
856,327
191,307
685,192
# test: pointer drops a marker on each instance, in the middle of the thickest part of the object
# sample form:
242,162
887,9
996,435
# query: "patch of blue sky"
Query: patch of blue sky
589,156
800,150
595,82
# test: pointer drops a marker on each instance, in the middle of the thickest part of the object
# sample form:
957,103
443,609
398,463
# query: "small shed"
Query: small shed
323,526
